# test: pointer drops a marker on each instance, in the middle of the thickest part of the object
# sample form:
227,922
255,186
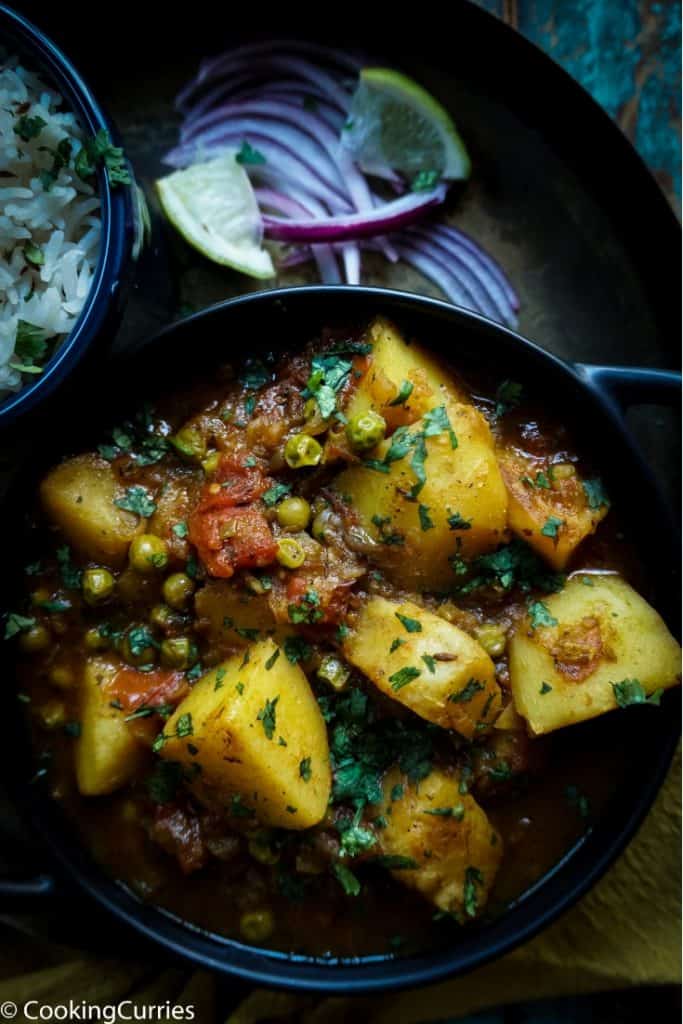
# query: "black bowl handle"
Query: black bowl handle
624,386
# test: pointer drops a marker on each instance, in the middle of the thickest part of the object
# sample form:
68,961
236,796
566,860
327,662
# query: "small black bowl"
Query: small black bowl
120,212
589,399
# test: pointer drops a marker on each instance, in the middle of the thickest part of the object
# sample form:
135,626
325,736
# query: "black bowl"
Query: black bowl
121,235
589,399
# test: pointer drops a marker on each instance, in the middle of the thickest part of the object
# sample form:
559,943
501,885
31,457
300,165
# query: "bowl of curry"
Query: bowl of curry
331,655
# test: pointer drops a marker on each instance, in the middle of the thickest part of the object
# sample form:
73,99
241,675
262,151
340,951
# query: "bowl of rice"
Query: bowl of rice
69,219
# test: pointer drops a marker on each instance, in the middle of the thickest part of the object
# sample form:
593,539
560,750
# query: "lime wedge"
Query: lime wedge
213,207
394,125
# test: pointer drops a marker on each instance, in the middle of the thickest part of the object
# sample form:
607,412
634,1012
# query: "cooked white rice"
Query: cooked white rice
62,221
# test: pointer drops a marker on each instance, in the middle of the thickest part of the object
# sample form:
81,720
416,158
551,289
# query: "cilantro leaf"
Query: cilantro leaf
267,717
275,493
305,771
346,879
468,691
508,396
28,128
473,878
426,521
404,393
631,691
404,676
540,615
249,156
595,493
410,625
16,623
138,500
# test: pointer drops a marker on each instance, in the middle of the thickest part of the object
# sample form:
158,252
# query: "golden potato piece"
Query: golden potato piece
450,849
78,497
392,362
604,633
433,667
231,616
252,739
460,510
559,505
107,755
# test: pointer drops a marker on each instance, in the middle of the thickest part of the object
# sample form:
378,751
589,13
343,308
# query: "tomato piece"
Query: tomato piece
330,597
239,484
228,539
134,689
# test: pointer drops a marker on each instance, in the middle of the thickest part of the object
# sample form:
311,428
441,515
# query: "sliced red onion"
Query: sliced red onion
280,163
454,290
490,298
391,217
323,254
487,261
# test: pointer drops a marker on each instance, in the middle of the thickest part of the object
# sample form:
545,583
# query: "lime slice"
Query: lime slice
396,125
214,208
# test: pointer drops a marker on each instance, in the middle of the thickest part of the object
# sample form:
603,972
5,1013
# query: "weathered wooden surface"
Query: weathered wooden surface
627,54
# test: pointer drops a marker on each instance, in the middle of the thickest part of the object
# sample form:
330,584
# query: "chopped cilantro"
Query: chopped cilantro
473,878
458,522
184,727
395,862
180,530
272,659
100,149
395,644
404,393
595,493
238,809
404,676
508,395
328,376
551,526
137,499
220,676
346,879
305,771
514,564
631,691
267,716
410,625
16,623
471,687
426,521
545,688
397,792
385,535
247,155
296,649
28,128
140,640
539,615
354,838
425,181
275,493
430,662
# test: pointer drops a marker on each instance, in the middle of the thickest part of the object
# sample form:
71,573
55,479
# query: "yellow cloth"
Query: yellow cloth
626,931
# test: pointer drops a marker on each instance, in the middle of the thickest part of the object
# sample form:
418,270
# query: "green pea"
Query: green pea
293,513
190,442
176,652
162,616
97,585
302,450
290,553
147,553
365,430
257,925
35,639
177,589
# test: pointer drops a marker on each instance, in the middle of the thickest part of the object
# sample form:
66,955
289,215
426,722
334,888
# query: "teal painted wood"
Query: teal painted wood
627,53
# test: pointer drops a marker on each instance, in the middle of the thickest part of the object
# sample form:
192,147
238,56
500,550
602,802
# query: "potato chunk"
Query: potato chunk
450,849
604,633
78,497
391,362
460,510
253,741
559,505
230,616
433,667
107,754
